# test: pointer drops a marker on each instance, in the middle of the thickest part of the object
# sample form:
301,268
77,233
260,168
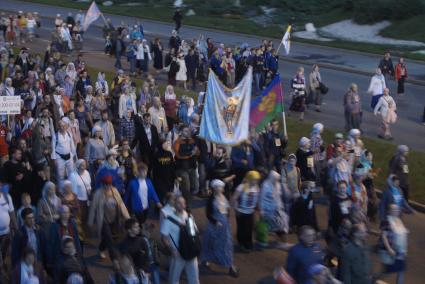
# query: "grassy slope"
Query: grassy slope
406,30
382,151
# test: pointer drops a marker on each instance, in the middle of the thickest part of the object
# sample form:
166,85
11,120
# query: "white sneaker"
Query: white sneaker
102,255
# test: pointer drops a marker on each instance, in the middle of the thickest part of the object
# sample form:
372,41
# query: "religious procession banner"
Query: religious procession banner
265,107
225,119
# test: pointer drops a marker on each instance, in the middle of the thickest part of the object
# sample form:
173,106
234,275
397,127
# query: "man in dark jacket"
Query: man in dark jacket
386,66
71,262
28,236
275,146
174,41
273,64
147,136
83,83
303,255
177,18
355,262
141,250
186,154
192,61
258,70
221,169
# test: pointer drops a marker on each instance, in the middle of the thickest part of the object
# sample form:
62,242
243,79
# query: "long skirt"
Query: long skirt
217,245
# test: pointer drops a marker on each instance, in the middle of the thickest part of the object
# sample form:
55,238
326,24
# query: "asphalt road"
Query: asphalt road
408,129
300,51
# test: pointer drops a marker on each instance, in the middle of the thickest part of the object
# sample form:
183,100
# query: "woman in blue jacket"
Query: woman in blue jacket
140,193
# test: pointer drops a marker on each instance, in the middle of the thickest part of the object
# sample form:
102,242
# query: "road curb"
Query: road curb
415,205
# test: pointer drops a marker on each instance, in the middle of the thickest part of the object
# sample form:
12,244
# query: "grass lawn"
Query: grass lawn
162,11
382,151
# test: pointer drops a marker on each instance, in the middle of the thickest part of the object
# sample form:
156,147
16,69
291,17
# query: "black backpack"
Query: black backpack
189,246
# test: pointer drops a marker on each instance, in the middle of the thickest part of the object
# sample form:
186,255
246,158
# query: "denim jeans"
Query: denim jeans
154,271
258,77
133,65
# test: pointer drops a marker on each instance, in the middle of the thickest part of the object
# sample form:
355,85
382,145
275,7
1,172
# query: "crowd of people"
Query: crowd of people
90,155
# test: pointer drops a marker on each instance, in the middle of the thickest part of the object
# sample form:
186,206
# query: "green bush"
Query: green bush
367,11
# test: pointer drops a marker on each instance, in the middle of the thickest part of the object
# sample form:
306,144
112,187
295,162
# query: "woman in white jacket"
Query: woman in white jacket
127,102
182,74
386,107
376,87
143,56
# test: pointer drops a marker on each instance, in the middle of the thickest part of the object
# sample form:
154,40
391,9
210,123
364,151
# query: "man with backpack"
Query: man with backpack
180,235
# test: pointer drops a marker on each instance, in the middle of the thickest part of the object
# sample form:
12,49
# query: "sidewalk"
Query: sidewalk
328,57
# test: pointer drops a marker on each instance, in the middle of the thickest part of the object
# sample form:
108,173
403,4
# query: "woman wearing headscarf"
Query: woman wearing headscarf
217,245
244,201
96,150
393,195
71,72
102,84
111,167
69,198
107,212
305,160
386,108
186,110
98,105
291,182
271,205
318,148
74,128
48,206
170,105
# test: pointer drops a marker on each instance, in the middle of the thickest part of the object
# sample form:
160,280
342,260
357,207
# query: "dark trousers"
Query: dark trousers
178,25
107,239
400,85
142,216
4,246
245,225
118,60
405,190
191,76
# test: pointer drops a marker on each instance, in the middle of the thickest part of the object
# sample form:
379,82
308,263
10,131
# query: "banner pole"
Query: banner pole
285,133
104,19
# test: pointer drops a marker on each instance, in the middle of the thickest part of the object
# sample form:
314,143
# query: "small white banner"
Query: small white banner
10,104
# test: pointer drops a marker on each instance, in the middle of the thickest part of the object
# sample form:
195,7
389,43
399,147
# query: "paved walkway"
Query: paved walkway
309,54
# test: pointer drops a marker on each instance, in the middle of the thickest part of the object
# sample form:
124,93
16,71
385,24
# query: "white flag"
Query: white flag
286,40
225,118
93,13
